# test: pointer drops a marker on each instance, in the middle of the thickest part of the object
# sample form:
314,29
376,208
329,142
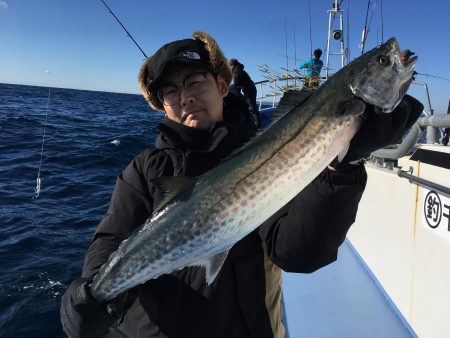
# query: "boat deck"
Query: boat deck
340,300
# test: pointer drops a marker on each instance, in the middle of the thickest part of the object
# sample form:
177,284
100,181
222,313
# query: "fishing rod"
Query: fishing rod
115,17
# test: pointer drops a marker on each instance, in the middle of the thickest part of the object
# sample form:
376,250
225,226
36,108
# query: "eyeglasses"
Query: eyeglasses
194,84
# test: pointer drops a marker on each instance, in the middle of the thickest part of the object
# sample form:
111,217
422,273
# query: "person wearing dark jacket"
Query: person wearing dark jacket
188,80
242,81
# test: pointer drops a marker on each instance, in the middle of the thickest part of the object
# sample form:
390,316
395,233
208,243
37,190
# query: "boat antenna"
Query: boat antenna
295,57
382,22
286,51
295,48
310,29
115,17
364,32
347,49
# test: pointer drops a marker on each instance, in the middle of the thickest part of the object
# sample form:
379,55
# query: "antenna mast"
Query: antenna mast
335,32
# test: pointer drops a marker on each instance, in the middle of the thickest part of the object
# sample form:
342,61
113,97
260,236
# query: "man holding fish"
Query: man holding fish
199,228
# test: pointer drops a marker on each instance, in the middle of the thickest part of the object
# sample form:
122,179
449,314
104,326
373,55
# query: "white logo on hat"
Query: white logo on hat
192,55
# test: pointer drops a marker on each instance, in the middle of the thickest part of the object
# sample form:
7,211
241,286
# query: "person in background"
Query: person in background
188,81
446,131
313,67
242,81
248,115
445,136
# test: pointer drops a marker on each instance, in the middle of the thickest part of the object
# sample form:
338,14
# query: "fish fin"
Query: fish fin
342,154
290,100
171,186
212,265
353,107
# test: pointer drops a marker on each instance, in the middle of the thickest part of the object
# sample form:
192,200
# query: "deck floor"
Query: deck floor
340,300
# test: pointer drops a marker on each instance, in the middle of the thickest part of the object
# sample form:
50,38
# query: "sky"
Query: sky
78,44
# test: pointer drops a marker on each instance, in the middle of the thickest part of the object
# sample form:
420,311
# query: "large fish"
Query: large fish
199,225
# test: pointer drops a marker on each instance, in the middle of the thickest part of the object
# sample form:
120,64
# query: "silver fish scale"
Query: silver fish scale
237,204
271,186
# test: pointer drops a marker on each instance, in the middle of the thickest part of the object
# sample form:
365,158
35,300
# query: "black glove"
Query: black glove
379,130
82,315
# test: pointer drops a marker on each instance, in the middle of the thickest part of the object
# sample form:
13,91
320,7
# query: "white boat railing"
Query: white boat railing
430,123
408,142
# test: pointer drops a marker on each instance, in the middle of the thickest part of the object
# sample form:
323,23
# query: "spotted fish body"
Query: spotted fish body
200,224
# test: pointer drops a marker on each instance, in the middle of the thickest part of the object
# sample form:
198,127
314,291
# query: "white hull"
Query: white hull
409,258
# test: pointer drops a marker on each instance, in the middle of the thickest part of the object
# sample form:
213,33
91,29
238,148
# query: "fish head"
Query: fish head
383,78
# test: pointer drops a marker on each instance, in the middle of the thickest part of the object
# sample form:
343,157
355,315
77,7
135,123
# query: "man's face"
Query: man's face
200,108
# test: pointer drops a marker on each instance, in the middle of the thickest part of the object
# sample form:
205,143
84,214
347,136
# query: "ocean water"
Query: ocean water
43,240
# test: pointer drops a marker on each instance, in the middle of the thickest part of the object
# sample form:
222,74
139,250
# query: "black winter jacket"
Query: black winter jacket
245,298
242,79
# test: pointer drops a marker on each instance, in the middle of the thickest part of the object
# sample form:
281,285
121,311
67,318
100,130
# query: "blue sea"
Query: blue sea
43,239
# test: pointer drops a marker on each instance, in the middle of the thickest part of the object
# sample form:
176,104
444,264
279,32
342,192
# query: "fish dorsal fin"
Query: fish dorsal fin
171,186
212,265
290,100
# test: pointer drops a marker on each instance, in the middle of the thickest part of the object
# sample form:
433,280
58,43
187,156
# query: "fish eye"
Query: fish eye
383,60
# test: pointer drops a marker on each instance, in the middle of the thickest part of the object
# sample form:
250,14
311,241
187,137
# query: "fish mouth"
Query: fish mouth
405,70
387,77
411,61
395,49
408,74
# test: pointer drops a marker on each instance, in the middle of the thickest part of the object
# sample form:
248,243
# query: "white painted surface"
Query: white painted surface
411,262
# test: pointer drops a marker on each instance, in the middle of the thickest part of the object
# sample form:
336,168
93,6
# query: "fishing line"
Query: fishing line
438,77
115,17
37,189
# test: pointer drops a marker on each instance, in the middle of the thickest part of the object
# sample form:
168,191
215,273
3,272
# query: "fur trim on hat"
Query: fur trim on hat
218,62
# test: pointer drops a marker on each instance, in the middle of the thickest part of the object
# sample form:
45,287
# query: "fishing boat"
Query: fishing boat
392,276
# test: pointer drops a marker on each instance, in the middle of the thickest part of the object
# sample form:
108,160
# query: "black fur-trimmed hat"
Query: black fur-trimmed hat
201,50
